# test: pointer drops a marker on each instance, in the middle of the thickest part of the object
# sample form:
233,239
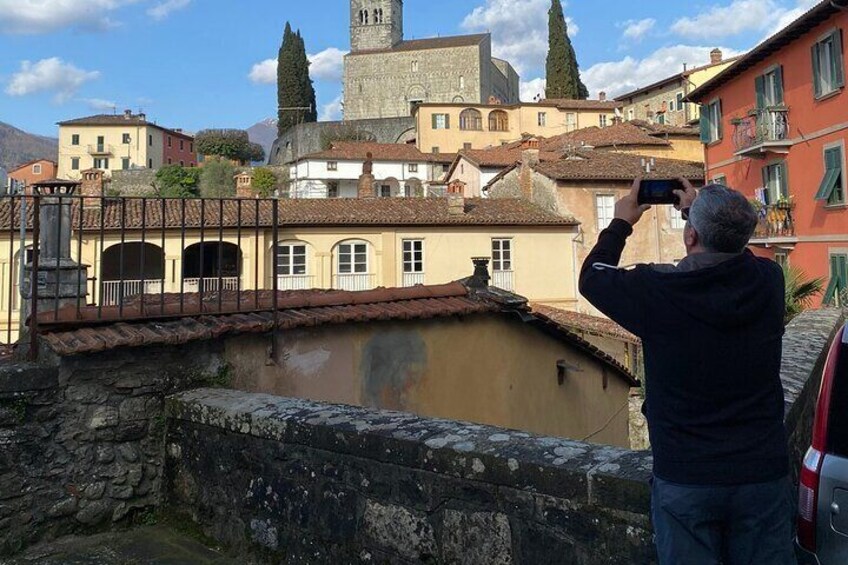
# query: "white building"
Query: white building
399,171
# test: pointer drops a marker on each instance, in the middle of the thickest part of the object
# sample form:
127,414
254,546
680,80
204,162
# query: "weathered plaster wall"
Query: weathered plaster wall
81,439
313,483
485,369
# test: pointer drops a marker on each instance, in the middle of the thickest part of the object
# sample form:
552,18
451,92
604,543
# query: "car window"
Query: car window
838,426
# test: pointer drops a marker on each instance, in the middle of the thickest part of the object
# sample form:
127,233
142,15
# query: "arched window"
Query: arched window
293,266
378,16
131,269
353,265
363,17
217,264
498,121
471,119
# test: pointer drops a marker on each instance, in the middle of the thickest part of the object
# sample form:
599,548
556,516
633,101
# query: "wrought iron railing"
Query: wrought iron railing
775,220
762,126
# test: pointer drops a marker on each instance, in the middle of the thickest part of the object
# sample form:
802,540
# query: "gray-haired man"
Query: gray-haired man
712,330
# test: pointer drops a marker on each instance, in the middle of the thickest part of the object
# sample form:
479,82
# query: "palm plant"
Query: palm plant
800,291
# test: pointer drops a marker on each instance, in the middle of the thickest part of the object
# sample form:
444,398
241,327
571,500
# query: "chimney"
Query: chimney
480,279
716,56
531,143
602,96
456,204
127,114
456,186
142,117
529,159
92,188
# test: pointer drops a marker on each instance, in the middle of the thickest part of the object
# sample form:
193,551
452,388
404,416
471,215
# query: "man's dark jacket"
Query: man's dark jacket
712,340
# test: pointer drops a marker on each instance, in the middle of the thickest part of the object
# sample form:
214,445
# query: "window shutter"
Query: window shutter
435,124
760,87
447,121
830,293
817,90
838,59
766,192
778,80
705,124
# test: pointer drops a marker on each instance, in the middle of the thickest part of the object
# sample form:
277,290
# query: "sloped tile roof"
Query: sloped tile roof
608,165
121,120
568,104
586,322
504,156
663,129
617,135
154,322
135,213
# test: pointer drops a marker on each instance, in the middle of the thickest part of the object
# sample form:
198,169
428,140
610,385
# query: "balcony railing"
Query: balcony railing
775,221
295,282
100,149
504,280
112,293
211,284
764,129
355,282
412,279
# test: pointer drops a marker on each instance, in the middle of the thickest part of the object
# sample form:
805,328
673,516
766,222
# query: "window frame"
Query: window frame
498,250
413,265
712,128
837,283
835,70
471,119
383,189
598,209
412,168
441,121
353,254
75,139
783,167
542,119
841,188
332,165
291,265
36,169
126,139
603,119
75,163
676,221
680,101
126,163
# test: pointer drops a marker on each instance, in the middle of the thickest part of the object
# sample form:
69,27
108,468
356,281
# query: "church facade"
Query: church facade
388,77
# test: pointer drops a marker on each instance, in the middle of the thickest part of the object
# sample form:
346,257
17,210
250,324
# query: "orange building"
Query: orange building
775,126
32,172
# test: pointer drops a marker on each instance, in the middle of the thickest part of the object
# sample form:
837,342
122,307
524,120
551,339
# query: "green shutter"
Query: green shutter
435,125
720,120
447,121
817,90
760,87
832,173
705,124
765,171
778,81
832,288
838,59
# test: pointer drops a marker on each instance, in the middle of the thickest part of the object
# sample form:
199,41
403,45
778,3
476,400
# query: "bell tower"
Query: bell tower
375,24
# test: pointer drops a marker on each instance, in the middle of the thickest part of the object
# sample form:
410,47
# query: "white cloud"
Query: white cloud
264,72
619,77
636,30
42,16
100,104
163,9
519,30
328,65
531,89
49,75
332,111
740,16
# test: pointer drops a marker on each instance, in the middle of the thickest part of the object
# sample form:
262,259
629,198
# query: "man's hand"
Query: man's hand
628,208
687,196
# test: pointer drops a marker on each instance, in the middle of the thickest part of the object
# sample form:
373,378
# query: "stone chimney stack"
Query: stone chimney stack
529,159
602,96
127,114
456,204
92,188
716,56
366,180
480,279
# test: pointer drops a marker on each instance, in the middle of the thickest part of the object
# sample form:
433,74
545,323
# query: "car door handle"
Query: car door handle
834,508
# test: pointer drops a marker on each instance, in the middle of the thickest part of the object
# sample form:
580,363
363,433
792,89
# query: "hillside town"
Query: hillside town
419,322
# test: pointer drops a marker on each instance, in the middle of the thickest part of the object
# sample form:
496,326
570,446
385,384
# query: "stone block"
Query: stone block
95,512
394,528
476,538
103,417
63,508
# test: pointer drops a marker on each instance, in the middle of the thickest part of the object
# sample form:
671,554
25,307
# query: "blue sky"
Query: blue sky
196,64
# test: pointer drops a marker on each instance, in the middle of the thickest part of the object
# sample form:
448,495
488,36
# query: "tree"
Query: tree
216,179
264,181
294,87
233,144
563,74
174,181
800,291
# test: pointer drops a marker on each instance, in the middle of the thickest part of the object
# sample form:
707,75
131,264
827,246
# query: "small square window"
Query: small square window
125,164
169,141
36,169
413,167
542,119
125,139
75,139
466,146
435,151
332,166
75,163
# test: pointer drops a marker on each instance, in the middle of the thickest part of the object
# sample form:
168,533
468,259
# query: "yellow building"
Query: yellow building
663,102
448,128
120,142
349,244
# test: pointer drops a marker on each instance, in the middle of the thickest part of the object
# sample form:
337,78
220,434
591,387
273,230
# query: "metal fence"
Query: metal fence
66,260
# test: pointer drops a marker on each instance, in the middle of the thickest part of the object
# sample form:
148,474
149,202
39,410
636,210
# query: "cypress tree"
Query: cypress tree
294,87
563,75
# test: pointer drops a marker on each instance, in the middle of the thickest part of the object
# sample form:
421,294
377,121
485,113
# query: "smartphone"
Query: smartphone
659,191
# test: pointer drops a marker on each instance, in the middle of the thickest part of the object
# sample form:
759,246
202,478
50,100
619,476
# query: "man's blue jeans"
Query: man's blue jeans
729,525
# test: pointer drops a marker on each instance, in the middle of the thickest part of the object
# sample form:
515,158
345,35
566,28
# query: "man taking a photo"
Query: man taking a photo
712,329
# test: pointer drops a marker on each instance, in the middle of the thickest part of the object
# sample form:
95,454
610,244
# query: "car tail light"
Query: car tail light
808,489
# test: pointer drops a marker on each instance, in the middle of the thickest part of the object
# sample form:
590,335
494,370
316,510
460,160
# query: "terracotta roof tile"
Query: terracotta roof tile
616,135
120,120
586,322
337,212
608,165
568,104
358,151
663,129
504,156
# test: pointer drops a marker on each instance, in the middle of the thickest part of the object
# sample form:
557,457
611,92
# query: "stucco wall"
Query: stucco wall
484,369
139,151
